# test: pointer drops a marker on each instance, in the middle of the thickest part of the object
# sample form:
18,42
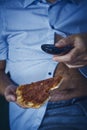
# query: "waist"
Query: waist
66,94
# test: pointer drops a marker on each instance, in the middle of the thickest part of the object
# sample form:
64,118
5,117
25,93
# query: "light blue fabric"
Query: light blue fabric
83,71
24,26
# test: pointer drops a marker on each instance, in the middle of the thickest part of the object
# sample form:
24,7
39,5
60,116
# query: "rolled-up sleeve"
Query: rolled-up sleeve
3,44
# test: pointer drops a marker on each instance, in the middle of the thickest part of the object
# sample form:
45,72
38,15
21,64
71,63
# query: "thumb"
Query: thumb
10,94
10,98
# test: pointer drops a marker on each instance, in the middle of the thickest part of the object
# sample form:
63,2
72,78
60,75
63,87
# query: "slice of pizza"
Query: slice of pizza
37,93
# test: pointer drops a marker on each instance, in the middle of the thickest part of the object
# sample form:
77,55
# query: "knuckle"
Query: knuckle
70,58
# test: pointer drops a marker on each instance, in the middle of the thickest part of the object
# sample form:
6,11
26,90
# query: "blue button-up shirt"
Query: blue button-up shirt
24,26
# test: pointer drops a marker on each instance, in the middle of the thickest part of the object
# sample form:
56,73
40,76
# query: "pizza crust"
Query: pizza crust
34,95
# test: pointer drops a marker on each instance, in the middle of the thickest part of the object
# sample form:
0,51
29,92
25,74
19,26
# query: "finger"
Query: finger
69,57
74,66
65,42
10,98
10,94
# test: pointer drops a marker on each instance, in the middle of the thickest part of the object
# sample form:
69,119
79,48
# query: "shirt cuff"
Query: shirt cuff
83,71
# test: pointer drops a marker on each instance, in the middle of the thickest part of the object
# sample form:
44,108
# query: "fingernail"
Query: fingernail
12,98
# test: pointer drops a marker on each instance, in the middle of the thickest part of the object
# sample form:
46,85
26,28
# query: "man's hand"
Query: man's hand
77,57
7,87
10,93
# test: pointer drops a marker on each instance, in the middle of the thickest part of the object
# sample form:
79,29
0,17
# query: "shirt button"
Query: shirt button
49,73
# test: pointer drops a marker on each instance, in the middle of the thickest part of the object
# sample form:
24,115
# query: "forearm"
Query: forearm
4,79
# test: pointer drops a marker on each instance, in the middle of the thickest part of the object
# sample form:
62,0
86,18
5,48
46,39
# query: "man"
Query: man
25,25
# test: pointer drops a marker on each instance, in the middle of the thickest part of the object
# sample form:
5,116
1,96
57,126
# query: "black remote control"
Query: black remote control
51,49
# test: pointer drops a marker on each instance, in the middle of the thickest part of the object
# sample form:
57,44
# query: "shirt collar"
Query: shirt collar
28,2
